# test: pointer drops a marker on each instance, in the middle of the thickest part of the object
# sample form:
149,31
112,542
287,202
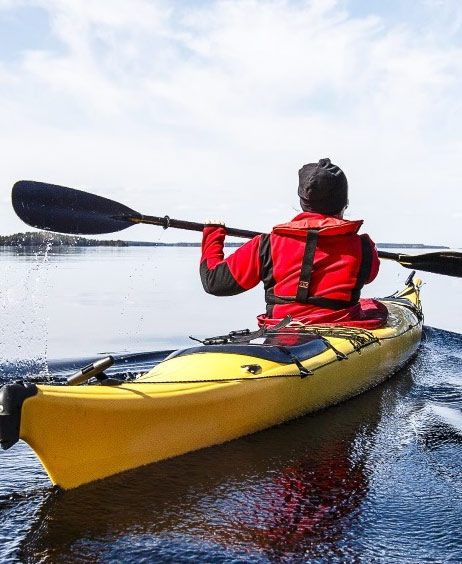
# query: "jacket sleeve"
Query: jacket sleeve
237,273
373,258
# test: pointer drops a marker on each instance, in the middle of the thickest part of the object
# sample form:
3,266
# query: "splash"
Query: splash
24,290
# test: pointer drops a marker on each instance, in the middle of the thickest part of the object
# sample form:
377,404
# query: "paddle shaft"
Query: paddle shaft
167,222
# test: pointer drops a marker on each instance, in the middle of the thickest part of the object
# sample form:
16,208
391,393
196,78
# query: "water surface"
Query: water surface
376,479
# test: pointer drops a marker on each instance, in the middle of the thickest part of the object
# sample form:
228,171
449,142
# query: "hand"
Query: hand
214,222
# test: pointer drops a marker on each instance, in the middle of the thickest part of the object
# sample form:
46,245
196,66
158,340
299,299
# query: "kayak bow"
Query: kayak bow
205,395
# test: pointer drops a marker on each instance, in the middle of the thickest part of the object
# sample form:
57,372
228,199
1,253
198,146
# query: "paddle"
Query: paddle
66,210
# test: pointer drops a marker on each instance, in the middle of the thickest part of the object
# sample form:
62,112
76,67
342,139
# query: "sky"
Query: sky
207,109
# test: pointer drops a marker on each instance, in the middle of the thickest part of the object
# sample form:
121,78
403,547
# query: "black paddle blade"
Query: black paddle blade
440,262
66,210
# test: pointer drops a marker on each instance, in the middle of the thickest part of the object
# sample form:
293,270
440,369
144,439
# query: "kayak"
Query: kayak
222,389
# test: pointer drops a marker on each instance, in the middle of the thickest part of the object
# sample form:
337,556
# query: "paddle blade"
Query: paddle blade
66,210
438,262
441,262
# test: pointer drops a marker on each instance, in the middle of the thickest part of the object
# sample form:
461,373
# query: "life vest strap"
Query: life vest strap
307,267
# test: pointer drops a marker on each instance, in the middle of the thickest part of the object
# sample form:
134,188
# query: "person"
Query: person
312,268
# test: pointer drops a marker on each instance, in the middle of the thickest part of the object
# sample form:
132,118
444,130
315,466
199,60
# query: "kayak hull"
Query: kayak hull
196,400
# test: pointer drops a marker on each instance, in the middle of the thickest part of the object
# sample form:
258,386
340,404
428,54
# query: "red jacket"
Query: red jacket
312,268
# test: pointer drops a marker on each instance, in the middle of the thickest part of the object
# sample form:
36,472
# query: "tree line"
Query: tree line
45,238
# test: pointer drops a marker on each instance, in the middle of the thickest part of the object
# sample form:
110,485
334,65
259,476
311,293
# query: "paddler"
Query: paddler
313,267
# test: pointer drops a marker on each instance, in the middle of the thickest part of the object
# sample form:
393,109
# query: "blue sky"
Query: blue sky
208,109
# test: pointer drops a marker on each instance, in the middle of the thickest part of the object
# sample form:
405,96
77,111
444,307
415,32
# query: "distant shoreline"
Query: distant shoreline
44,238
409,246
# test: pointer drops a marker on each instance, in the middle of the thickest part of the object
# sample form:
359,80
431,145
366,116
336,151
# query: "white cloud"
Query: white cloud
212,107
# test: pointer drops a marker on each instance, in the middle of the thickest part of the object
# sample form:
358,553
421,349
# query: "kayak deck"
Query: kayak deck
211,394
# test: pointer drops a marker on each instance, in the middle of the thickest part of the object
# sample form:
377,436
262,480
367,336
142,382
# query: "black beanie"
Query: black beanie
322,187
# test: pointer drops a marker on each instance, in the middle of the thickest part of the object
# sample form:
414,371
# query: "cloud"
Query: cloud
213,106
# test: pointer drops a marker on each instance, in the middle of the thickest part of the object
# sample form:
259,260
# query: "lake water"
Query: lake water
376,479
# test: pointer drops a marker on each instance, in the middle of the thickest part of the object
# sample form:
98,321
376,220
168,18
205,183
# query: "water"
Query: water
376,479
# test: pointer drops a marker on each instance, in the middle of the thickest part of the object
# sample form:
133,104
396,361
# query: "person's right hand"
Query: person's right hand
214,222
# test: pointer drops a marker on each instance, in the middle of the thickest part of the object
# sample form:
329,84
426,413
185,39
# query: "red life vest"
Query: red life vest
315,259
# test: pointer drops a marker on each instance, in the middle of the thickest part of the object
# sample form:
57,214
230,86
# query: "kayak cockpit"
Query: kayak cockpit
276,353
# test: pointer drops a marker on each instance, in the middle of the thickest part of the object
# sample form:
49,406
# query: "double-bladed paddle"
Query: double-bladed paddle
66,210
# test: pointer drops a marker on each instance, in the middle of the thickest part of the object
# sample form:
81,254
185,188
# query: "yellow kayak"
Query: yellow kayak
205,395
